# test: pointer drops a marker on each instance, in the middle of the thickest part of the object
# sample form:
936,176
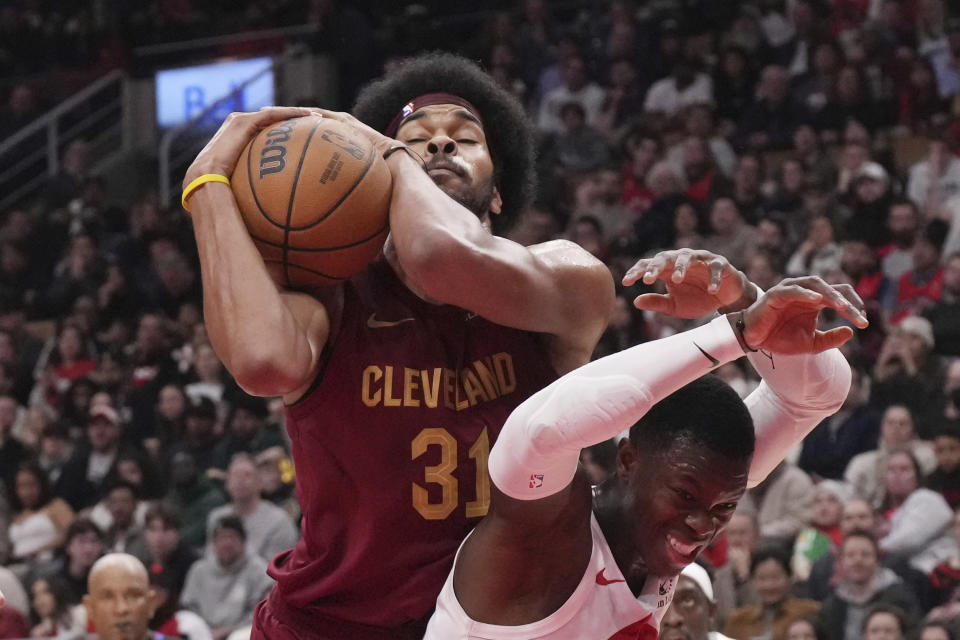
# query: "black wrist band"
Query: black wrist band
410,152
741,325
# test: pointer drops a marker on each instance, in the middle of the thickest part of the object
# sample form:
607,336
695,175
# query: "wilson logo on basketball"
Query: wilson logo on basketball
273,157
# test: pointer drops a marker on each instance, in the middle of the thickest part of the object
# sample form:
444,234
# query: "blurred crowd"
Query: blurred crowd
791,136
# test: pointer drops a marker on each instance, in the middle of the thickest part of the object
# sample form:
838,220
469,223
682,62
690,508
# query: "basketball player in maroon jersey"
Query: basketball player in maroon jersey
398,382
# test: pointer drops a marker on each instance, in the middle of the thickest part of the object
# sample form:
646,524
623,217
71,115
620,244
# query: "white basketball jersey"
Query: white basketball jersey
601,608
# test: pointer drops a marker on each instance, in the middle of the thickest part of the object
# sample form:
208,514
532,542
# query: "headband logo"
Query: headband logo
407,110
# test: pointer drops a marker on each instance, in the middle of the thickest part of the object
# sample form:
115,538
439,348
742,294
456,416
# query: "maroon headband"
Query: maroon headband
427,100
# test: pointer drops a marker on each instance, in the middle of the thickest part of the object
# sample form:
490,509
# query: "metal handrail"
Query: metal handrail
230,38
60,109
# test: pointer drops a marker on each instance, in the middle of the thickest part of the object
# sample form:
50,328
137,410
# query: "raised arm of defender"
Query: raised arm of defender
544,435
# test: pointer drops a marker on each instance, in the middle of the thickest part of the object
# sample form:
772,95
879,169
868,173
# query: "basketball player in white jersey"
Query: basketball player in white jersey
556,559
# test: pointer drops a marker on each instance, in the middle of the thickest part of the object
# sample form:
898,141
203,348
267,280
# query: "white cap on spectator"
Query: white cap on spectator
699,575
106,412
871,170
919,327
839,489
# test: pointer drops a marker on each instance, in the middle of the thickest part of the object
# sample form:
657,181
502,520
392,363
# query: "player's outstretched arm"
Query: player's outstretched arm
268,340
445,252
535,461
798,391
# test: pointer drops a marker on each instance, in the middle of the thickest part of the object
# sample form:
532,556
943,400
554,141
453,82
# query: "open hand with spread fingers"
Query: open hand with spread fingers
784,319
698,282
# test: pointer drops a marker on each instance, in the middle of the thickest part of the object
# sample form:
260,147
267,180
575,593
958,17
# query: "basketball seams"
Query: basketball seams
297,266
343,198
356,220
349,245
293,195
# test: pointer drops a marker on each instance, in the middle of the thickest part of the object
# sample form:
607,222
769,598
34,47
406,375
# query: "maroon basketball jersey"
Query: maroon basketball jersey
391,449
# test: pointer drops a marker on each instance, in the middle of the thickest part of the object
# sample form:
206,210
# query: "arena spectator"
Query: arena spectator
194,496
945,478
806,628
935,631
917,518
854,429
857,515
691,615
82,548
268,529
936,179
577,87
246,432
12,451
944,314
53,612
641,150
823,536
163,550
771,575
81,482
209,374
699,123
277,481
920,288
730,235
769,122
654,229
908,372
818,254
733,83
224,587
40,520
944,581
886,622
200,437
684,87
864,583
169,618
732,584
866,471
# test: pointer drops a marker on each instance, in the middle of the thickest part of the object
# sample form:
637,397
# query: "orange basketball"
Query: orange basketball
315,196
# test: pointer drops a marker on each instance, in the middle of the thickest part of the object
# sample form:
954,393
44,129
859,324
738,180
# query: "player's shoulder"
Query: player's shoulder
567,254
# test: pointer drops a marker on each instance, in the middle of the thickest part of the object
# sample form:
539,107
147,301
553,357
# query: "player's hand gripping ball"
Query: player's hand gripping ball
315,196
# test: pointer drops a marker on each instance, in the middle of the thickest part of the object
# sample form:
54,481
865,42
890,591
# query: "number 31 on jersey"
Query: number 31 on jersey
442,474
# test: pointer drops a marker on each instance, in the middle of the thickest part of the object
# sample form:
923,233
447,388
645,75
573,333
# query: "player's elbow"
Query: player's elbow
267,375
838,387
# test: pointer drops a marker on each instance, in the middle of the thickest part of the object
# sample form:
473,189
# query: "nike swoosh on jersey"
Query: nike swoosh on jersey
373,323
709,357
603,581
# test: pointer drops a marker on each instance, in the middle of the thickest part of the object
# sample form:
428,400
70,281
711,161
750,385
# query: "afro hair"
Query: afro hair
508,132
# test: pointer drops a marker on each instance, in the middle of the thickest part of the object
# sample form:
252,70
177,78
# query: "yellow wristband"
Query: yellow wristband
199,182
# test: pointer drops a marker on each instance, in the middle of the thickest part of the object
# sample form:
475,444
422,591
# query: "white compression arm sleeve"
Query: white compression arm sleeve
796,394
537,452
